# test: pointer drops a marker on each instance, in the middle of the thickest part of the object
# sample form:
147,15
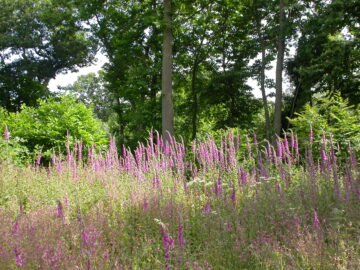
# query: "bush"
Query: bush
54,123
14,152
329,115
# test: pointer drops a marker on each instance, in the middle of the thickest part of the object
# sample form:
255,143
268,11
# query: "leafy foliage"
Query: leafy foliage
327,56
14,152
38,39
90,89
330,114
55,123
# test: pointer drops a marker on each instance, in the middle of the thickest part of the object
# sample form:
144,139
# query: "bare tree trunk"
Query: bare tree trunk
264,98
194,97
279,68
195,68
121,121
166,85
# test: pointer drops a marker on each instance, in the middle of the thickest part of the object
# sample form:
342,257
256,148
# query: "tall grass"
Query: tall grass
214,206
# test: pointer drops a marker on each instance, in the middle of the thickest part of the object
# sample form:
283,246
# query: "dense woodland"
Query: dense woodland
182,66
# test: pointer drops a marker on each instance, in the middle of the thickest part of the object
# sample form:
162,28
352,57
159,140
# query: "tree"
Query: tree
330,115
54,123
210,53
279,67
260,13
229,100
91,90
39,39
130,35
166,85
327,57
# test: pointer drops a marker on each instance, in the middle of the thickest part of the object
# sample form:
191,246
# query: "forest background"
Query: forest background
216,47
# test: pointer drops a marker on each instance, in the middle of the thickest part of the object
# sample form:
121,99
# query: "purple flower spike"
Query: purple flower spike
292,140
286,144
248,148
316,222
6,134
181,239
297,146
60,210
16,227
233,195
53,159
324,141
207,207
38,160
167,241
18,258
255,140
85,239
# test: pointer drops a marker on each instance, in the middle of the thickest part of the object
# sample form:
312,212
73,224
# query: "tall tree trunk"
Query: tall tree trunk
166,84
262,77
194,97
263,93
279,68
121,121
195,69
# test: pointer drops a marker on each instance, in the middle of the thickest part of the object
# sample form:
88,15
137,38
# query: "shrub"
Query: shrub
54,123
329,115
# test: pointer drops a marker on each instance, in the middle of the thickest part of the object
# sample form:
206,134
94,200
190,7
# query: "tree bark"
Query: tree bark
279,68
194,97
263,93
262,78
194,72
166,84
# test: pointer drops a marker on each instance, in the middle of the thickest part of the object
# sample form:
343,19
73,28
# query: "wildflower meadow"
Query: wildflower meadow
226,203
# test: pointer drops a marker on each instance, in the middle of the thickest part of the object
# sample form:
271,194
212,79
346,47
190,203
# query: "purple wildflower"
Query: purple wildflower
16,227
53,159
85,239
292,140
6,134
242,177
279,149
145,204
255,140
207,207
316,222
167,241
228,227
38,160
233,195
18,258
297,146
181,239
324,141
286,144
277,187
218,186
80,147
237,145
60,210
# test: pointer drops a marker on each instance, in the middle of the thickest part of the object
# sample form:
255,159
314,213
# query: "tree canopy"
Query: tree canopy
38,40
216,49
